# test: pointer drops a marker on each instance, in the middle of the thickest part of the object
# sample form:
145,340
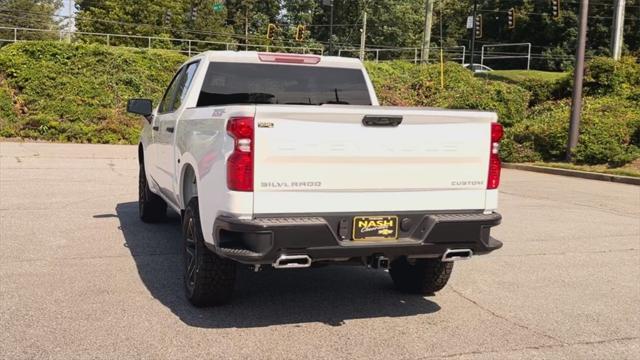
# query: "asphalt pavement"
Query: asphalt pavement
82,277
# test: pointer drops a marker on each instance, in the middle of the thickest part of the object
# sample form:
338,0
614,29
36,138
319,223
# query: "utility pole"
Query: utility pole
426,35
617,30
69,21
330,3
441,49
331,29
246,28
576,102
473,33
363,35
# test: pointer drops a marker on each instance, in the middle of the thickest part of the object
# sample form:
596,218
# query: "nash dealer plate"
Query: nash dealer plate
375,228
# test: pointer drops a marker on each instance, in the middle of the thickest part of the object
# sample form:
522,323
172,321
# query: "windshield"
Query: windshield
244,83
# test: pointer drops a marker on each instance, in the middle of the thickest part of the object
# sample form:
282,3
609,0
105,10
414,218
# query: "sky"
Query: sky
66,5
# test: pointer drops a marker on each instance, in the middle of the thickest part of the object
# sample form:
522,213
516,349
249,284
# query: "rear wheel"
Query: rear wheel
151,207
424,276
208,278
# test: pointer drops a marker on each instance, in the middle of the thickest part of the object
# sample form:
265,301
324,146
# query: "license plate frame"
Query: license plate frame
381,227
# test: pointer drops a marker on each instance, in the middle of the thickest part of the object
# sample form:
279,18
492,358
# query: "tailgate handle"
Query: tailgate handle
381,120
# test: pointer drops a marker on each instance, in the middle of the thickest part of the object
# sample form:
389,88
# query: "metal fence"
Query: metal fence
455,53
186,46
489,53
193,46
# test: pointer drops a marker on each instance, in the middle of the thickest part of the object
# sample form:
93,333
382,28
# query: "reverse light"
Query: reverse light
240,162
289,58
495,165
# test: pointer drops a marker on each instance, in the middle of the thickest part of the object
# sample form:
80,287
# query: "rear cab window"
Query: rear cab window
249,83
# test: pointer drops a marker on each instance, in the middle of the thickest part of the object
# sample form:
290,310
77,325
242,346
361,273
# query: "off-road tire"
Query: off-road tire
151,207
208,278
425,276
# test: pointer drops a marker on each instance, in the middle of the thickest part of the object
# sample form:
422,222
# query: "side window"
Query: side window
183,85
169,95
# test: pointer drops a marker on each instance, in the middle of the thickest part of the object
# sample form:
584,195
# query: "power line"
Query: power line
345,42
233,35
166,28
549,14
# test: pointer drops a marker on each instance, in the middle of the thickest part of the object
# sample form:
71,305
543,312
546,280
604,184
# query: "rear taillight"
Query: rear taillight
494,157
240,162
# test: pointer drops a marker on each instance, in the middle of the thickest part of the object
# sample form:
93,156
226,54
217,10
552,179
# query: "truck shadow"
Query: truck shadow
329,295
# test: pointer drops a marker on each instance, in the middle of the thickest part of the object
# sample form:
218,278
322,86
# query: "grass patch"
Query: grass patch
542,85
609,133
517,76
631,169
55,91
400,83
77,92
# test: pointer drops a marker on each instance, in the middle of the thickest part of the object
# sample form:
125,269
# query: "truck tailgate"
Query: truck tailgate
318,159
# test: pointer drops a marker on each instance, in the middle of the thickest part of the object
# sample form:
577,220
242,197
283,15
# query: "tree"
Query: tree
251,18
390,23
302,12
159,18
553,39
32,14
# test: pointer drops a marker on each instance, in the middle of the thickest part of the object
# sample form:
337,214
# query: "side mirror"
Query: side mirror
142,107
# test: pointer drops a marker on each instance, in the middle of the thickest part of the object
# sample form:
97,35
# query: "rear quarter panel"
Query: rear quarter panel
202,143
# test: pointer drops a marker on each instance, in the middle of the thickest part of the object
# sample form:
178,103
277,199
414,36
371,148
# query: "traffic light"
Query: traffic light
511,18
555,8
478,26
167,17
271,30
300,33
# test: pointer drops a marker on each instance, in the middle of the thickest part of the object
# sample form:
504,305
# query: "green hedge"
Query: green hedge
610,128
609,133
406,84
64,92
8,111
542,85
607,77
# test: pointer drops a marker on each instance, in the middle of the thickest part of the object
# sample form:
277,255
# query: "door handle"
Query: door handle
169,129
156,128
382,120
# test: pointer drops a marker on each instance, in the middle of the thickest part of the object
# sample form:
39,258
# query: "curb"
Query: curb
574,173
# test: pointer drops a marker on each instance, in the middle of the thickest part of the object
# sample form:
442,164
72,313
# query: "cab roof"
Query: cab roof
283,58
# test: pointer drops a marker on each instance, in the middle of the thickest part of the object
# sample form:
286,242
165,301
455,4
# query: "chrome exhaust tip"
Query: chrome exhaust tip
292,262
457,254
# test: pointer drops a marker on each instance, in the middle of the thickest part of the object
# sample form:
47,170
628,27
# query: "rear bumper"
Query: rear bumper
327,237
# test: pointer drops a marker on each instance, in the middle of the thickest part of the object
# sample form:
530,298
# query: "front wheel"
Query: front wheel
208,278
423,276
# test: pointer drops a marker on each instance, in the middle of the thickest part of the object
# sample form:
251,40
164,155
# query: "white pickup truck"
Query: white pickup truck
289,161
